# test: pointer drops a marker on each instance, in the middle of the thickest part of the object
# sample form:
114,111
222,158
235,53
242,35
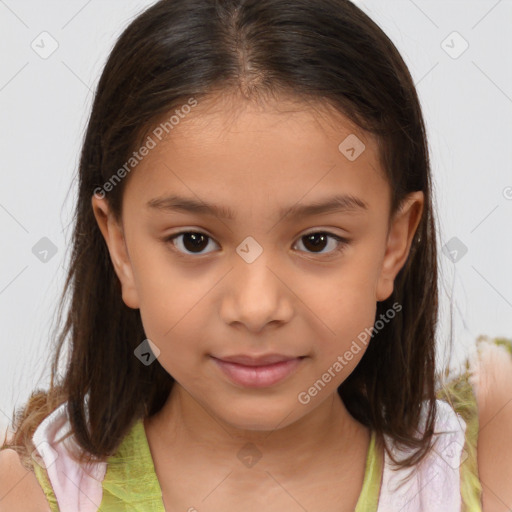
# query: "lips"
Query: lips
262,360
257,372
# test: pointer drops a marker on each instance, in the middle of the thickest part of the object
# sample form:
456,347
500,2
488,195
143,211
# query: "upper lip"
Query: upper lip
262,360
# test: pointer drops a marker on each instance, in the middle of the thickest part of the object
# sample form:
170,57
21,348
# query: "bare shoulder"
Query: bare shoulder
493,388
19,488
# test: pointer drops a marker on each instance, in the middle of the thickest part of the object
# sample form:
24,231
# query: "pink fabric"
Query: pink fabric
434,487
76,489
435,484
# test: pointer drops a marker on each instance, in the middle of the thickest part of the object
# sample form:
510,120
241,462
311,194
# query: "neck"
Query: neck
327,432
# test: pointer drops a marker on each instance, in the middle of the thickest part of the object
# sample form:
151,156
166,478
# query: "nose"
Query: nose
256,295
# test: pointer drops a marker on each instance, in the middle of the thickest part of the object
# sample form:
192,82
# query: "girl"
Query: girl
254,284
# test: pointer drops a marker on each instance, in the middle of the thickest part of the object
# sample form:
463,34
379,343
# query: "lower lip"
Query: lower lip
258,376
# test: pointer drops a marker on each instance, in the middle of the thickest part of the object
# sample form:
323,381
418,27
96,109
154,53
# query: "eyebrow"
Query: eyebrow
334,204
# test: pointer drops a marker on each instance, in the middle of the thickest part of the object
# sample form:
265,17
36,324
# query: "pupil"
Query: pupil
197,241
315,239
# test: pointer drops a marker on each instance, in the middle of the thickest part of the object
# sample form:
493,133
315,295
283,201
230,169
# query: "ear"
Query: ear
401,233
114,237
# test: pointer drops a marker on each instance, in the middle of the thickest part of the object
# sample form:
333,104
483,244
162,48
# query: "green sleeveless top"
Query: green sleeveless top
131,485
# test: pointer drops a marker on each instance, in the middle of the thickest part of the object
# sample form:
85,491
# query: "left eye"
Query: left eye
195,242
319,238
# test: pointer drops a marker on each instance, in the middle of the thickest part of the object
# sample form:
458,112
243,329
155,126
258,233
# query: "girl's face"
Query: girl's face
228,251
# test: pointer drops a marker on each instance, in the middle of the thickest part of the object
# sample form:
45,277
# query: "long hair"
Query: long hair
326,51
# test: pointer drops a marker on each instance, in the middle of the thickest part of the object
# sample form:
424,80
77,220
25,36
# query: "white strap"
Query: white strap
76,488
435,484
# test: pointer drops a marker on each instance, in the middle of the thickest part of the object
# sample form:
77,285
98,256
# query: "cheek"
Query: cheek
345,306
175,311
167,291
174,326
350,318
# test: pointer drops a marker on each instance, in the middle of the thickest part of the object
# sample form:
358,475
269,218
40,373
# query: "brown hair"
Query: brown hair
327,51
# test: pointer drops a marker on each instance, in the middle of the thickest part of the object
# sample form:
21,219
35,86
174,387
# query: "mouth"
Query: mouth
258,372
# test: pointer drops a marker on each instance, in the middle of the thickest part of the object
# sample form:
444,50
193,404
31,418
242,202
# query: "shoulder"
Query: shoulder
19,488
493,390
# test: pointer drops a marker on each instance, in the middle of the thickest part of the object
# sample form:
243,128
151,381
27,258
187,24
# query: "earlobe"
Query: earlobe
113,234
401,233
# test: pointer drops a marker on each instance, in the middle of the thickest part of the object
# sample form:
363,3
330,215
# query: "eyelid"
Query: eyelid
168,239
342,241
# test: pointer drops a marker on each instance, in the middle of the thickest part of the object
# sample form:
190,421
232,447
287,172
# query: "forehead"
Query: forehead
244,153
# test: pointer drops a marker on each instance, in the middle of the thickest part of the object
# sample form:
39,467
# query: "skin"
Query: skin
271,159
493,389
257,159
20,491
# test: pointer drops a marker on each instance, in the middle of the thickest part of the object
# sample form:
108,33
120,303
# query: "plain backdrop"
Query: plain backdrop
459,53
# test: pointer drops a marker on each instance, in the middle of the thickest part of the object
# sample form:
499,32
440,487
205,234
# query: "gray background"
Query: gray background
45,103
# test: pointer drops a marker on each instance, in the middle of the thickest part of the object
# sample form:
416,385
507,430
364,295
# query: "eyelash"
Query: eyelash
343,242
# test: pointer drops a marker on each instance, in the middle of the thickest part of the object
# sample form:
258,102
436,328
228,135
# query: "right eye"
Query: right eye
193,241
